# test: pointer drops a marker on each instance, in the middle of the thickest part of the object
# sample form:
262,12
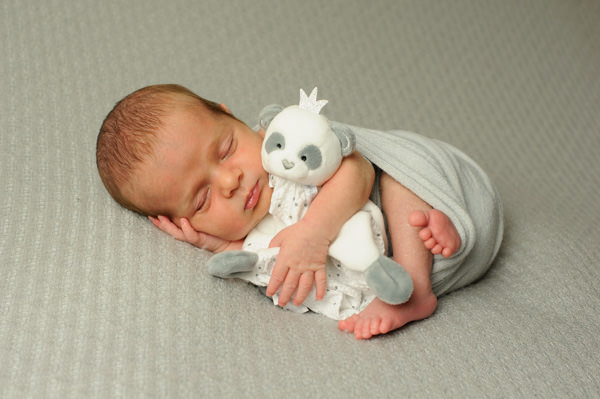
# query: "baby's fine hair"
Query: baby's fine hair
129,131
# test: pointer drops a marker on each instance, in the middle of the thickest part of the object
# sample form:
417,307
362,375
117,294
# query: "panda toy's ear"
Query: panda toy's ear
268,114
345,136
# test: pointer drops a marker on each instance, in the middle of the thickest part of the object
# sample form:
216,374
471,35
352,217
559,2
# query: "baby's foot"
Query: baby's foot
380,317
438,232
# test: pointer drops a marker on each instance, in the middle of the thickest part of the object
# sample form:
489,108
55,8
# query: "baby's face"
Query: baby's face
208,169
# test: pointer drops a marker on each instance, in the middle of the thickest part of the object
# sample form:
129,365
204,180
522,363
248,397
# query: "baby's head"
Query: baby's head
130,131
163,150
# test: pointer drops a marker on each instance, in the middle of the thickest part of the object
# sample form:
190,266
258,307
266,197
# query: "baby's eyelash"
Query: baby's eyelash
204,200
228,148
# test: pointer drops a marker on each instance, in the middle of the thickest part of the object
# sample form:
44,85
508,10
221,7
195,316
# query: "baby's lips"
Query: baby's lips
252,198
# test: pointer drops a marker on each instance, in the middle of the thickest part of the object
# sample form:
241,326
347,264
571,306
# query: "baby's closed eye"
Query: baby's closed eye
227,147
204,200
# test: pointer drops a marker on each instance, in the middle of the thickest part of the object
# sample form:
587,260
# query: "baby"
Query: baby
196,172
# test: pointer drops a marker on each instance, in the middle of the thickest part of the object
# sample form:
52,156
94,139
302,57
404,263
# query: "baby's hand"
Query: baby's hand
300,263
187,233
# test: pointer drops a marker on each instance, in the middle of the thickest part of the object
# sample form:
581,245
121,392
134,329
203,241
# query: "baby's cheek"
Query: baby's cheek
202,226
195,223
229,229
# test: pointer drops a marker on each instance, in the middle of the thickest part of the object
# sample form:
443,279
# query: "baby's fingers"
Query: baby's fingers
304,287
277,278
321,283
189,233
165,224
200,239
289,287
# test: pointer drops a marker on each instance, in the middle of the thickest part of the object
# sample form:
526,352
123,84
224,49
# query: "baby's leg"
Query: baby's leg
380,317
437,231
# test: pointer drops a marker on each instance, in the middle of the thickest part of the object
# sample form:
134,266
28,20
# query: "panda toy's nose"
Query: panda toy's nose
287,164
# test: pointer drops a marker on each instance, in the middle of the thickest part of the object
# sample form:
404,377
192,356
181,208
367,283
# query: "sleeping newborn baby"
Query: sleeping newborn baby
196,171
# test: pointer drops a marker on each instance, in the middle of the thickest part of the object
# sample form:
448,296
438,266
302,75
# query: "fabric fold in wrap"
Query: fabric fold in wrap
448,180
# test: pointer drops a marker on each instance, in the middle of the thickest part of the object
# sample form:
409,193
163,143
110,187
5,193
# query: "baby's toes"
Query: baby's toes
437,249
359,329
418,219
425,234
430,243
385,326
349,324
363,329
450,244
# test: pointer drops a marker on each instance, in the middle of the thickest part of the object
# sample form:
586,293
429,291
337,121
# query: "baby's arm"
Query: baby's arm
304,245
188,234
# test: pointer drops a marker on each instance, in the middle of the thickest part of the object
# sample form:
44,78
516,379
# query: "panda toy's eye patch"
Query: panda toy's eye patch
311,156
276,141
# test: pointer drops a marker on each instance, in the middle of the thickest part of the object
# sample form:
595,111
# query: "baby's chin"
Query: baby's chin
241,234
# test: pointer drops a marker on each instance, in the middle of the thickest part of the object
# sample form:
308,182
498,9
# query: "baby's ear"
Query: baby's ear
345,136
268,114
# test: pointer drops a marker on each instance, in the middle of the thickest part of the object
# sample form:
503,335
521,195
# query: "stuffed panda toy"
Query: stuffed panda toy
302,150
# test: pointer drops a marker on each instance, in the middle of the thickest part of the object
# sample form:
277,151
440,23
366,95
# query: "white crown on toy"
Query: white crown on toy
310,103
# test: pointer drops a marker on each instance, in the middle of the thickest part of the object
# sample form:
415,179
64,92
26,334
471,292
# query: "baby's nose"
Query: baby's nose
229,181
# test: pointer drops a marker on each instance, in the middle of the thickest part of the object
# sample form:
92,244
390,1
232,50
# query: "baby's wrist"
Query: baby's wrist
318,228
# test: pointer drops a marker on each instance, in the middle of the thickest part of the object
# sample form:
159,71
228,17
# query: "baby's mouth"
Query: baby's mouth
252,198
